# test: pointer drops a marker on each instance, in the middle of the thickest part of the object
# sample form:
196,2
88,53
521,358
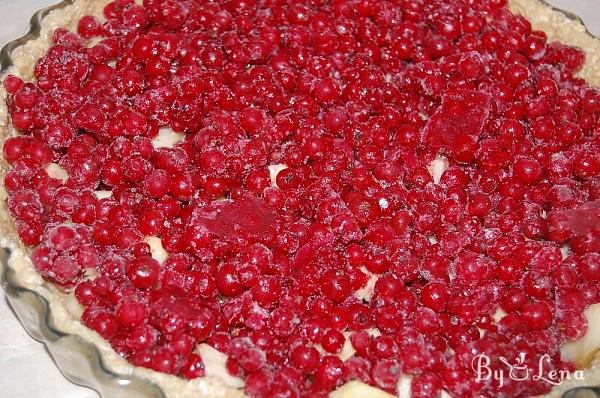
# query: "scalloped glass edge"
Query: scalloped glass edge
78,359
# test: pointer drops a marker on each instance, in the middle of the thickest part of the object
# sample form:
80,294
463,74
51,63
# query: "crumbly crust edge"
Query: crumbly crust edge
557,26
24,58
568,30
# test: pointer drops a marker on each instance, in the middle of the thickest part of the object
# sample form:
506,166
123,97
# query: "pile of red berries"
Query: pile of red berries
356,98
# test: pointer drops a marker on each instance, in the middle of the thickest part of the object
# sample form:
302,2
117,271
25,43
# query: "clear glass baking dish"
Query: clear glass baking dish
78,359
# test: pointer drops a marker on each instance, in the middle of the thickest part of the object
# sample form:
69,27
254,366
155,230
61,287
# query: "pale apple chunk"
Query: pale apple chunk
347,349
214,366
56,171
167,138
157,250
404,386
437,167
358,389
582,351
274,169
498,315
366,292
103,194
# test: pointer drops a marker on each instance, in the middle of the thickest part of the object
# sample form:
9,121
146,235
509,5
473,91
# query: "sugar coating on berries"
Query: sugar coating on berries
311,198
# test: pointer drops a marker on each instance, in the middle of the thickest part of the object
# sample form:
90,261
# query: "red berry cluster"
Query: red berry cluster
356,98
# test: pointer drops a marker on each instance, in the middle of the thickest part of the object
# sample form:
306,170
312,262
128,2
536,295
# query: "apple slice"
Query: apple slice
358,389
274,169
437,167
582,351
214,366
366,292
167,138
157,251
103,194
54,170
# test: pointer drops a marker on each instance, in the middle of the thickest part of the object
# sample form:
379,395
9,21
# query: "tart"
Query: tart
312,199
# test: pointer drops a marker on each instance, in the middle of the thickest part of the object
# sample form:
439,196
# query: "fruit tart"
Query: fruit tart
345,198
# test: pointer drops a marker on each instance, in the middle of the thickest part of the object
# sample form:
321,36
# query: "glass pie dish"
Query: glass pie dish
78,359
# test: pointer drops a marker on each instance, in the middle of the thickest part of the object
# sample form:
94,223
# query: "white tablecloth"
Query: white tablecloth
26,370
